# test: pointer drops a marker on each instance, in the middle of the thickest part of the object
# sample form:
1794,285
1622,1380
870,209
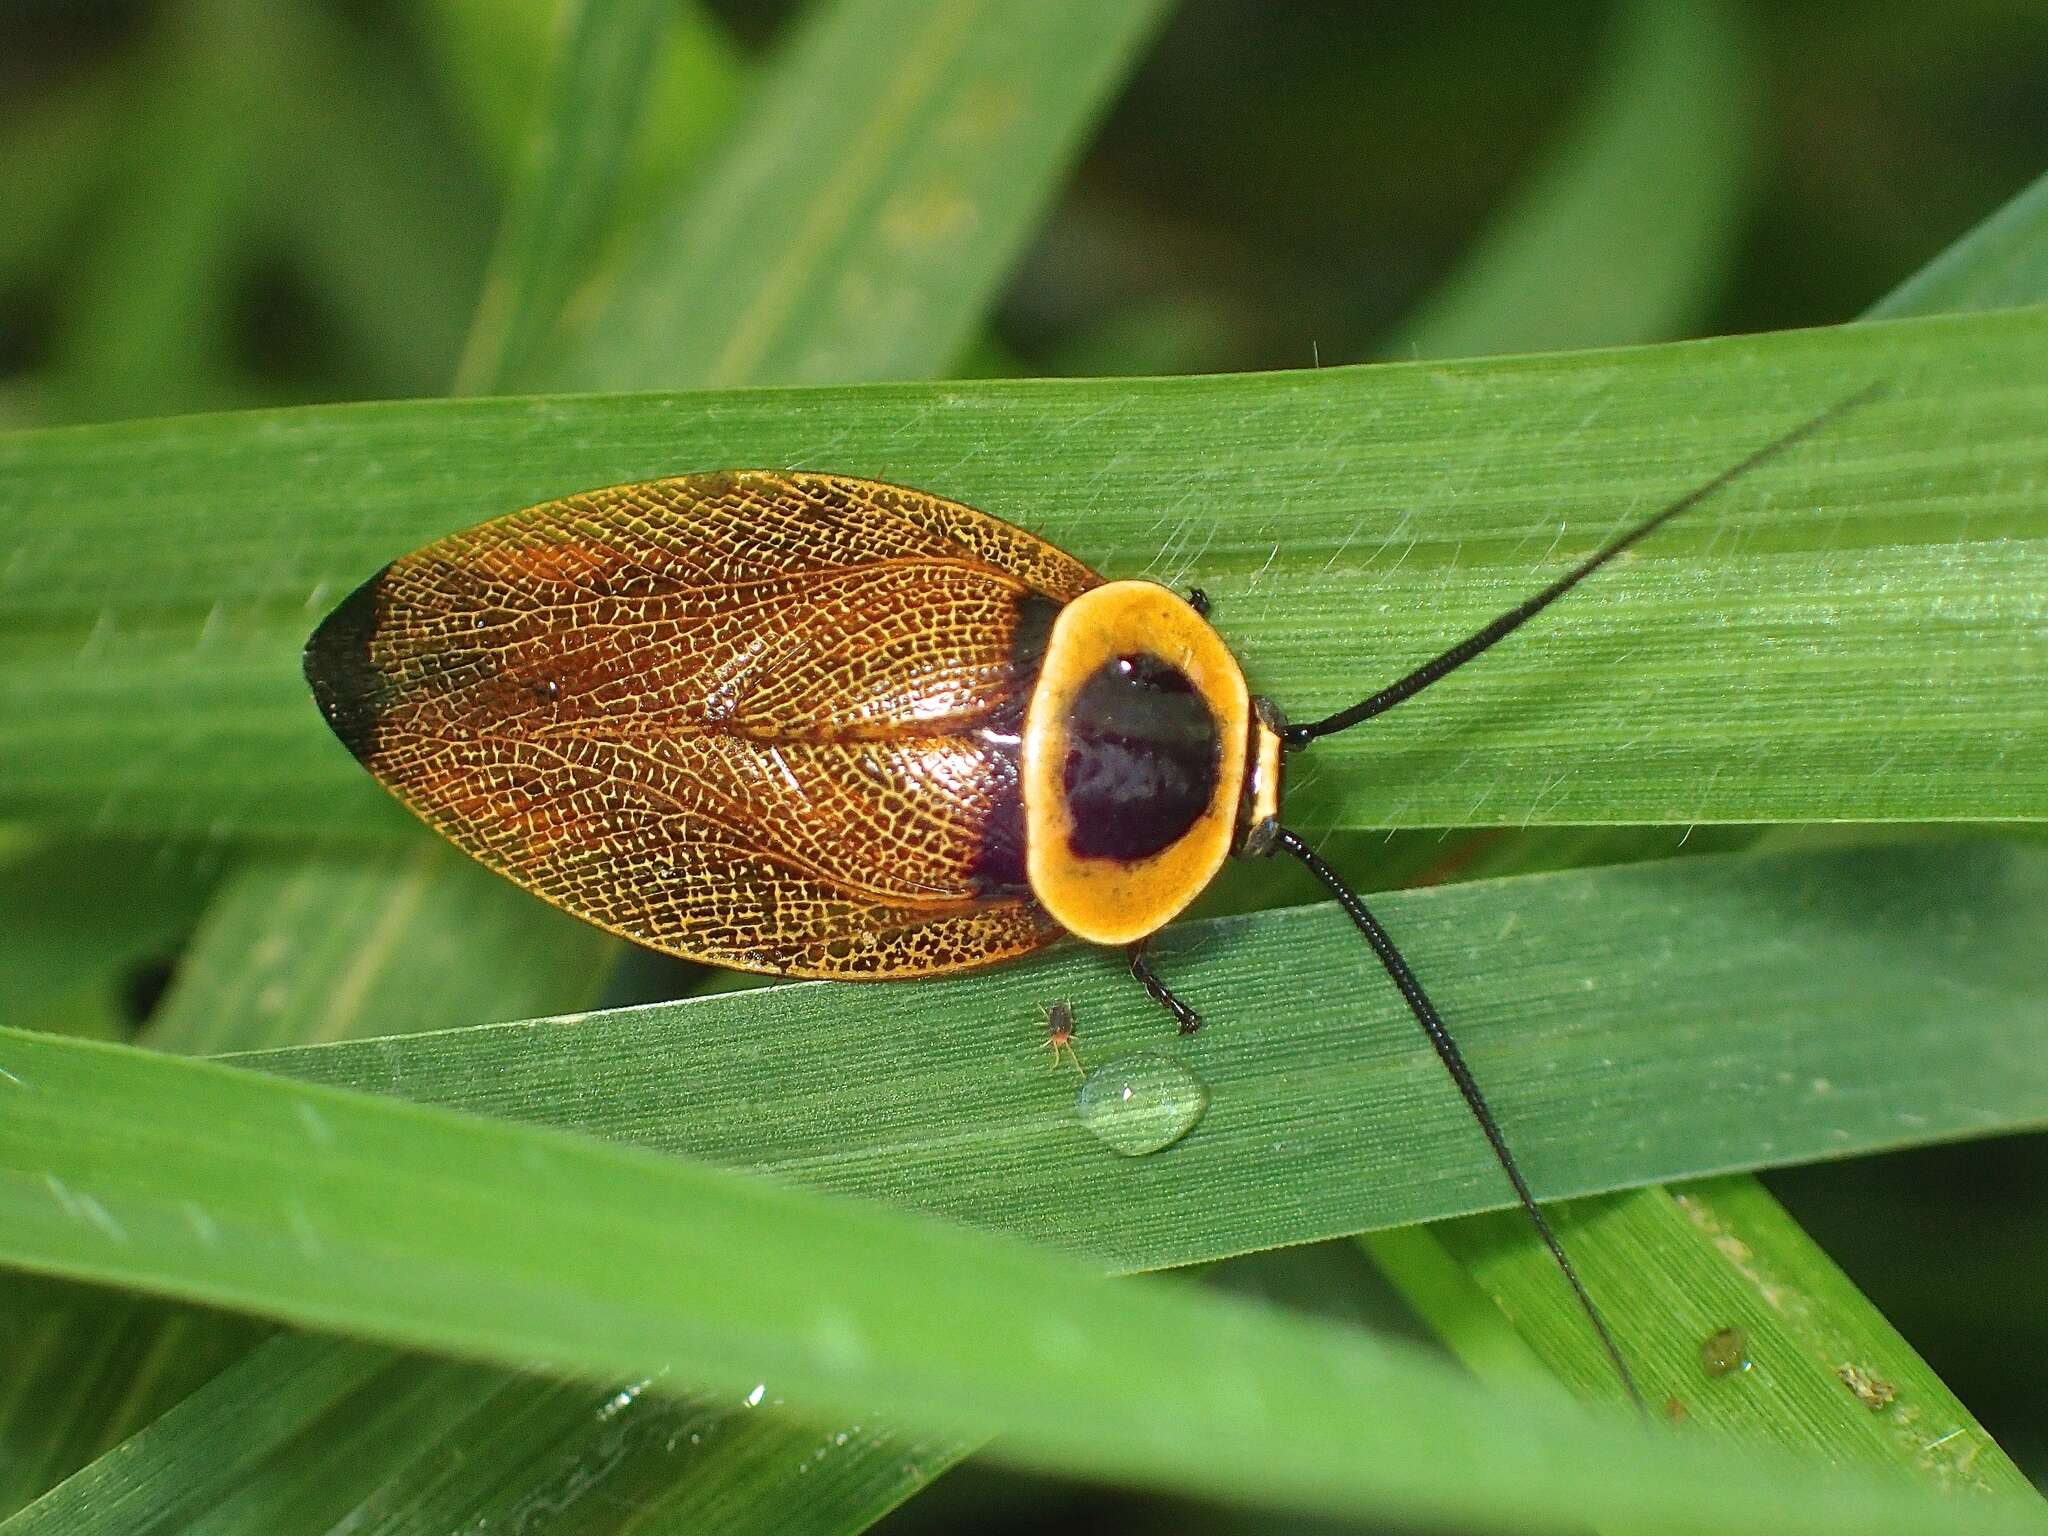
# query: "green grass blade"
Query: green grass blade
939,1097
327,947
320,947
861,219
351,917
1624,232
173,1496
1999,265
1879,591
1664,1265
80,914
86,1366
567,195
143,314
519,1244
1629,1024
494,56
1828,1375
434,1444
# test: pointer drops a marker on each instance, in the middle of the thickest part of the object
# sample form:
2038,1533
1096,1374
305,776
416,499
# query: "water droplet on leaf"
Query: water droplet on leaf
1724,1352
1141,1103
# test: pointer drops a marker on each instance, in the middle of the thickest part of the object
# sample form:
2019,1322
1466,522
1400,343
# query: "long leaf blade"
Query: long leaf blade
1630,1025
1881,589
523,1245
1820,1370
560,207
289,966
1837,1338
1625,230
859,234
1697,1004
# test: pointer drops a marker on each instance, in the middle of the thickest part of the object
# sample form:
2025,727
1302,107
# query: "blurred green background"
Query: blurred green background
222,204
212,203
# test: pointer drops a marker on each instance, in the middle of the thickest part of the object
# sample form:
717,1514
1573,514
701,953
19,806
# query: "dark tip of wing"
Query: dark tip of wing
349,689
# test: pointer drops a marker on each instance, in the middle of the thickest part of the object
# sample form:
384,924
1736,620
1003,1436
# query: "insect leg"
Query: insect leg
1186,1017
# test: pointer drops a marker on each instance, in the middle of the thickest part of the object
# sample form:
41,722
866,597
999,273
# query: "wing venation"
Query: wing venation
765,720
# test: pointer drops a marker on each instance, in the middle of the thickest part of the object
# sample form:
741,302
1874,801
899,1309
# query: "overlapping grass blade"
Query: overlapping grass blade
1823,1372
566,200
860,233
1631,1024
369,941
289,950
1878,590
384,923
312,1433
1622,234
1666,1254
87,1366
520,1244
2001,264
494,57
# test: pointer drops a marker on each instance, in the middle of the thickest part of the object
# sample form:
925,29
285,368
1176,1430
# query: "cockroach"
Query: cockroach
819,726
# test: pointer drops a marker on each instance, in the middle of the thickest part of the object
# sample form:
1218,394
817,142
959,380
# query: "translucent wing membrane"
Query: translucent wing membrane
763,720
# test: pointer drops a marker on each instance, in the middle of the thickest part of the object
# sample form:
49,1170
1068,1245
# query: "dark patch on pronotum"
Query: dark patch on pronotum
349,689
1143,756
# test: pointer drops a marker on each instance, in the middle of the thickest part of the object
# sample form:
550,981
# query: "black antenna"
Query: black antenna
1454,1062
1475,644
1397,968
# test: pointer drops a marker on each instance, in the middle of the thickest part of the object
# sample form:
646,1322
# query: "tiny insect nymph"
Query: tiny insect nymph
1059,1035
820,726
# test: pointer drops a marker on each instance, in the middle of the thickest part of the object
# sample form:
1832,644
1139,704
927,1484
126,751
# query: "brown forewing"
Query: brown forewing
764,720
